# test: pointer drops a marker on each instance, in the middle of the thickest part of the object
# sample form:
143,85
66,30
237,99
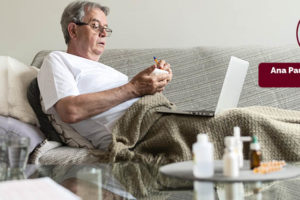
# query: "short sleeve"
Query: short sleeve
56,80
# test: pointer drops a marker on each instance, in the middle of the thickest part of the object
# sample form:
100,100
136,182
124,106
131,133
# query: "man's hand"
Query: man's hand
162,64
146,83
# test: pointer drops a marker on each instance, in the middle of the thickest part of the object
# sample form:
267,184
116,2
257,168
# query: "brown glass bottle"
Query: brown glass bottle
255,153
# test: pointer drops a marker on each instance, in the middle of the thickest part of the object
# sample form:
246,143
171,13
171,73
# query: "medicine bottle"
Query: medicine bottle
230,158
255,153
203,157
239,145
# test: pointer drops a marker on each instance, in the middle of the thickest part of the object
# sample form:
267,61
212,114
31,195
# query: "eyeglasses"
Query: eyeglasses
95,25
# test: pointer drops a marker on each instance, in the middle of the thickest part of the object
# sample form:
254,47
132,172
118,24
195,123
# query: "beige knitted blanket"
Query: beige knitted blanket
142,134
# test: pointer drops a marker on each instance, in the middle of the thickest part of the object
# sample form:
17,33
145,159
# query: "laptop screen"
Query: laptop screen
232,85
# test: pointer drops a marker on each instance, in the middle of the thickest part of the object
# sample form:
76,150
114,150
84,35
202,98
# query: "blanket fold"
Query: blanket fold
142,134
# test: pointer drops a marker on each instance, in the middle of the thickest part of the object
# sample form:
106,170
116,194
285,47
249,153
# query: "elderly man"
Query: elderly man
88,95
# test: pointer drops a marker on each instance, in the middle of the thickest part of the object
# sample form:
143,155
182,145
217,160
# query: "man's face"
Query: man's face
88,41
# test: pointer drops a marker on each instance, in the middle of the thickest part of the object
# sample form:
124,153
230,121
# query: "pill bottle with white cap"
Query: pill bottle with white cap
203,153
230,158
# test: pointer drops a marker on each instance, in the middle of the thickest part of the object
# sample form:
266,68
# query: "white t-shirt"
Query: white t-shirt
64,74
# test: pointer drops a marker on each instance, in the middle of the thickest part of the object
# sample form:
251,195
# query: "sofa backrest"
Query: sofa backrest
199,73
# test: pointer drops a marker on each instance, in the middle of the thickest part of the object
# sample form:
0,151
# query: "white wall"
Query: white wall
33,25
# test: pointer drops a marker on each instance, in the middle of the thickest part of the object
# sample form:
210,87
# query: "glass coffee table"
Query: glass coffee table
131,180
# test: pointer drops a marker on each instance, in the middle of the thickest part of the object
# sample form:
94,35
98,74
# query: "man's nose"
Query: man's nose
103,33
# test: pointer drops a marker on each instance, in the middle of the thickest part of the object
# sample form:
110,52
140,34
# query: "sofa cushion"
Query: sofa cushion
14,80
9,124
198,73
33,96
52,153
3,87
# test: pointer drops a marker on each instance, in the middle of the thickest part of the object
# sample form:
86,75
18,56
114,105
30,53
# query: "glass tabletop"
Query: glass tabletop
131,180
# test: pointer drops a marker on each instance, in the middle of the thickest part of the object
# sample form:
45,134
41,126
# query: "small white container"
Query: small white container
157,71
203,157
230,158
239,145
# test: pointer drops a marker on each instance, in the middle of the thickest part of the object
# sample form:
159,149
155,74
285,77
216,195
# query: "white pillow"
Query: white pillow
3,86
18,78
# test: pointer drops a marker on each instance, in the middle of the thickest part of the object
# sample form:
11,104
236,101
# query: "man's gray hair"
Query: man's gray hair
75,12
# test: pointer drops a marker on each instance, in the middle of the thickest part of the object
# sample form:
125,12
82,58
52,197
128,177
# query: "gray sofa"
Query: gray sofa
198,76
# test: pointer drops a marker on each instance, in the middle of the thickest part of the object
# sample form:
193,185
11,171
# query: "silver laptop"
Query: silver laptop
230,93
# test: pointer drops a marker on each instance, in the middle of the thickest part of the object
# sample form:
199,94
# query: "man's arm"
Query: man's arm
72,109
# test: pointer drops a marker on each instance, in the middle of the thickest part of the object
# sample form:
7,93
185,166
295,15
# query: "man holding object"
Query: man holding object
89,95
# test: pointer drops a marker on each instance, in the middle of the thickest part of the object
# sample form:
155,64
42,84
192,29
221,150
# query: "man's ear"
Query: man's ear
72,29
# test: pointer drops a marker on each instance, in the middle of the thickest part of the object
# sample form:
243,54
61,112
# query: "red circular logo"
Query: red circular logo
297,33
